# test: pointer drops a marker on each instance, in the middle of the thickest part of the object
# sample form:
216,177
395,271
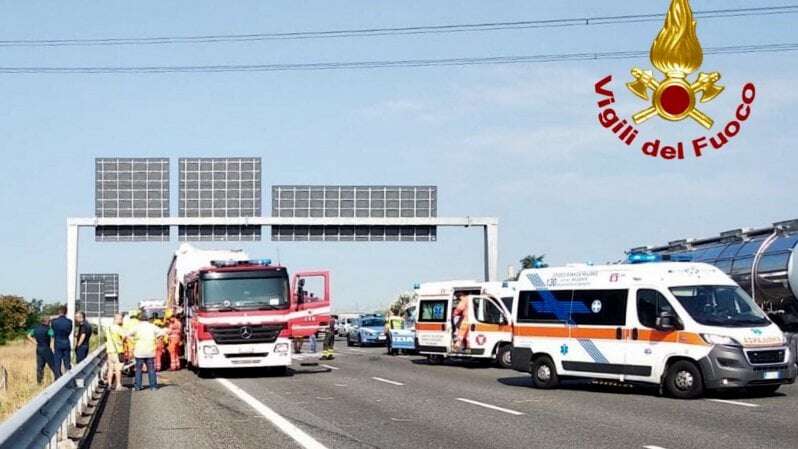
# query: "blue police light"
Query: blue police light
416,286
537,264
261,261
636,258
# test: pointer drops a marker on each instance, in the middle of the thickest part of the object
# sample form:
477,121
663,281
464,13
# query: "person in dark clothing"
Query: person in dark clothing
83,337
42,335
62,330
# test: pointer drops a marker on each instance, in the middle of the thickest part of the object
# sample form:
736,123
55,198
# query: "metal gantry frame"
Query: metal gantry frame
490,227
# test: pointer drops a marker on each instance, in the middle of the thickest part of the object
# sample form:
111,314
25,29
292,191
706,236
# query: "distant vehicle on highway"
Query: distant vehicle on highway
367,330
685,326
465,320
345,323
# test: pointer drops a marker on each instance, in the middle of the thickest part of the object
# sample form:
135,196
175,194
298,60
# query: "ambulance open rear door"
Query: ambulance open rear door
434,327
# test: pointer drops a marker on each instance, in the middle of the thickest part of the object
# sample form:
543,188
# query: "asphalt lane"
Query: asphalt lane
367,399
460,405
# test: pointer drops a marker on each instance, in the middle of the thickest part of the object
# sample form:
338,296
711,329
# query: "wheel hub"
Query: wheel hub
544,373
684,380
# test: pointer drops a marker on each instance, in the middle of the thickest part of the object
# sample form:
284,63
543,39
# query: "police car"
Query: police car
367,330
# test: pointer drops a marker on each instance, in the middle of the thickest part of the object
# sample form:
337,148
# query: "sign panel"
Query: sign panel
131,188
220,187
99,294
305,201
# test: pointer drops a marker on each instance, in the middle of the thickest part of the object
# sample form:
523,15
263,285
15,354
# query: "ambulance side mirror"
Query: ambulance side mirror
666,321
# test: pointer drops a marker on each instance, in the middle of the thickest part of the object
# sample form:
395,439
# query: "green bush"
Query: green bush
15,317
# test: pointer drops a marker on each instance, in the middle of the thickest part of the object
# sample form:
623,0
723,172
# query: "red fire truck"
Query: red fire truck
240,312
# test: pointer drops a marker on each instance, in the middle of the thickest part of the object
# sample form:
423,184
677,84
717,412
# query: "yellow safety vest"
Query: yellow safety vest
114,343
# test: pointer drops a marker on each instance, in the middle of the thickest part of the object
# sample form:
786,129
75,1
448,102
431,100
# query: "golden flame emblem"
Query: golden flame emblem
676,52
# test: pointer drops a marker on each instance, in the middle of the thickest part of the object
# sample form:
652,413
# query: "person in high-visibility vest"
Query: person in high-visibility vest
128,325
393,322
328,352
175,341
159,344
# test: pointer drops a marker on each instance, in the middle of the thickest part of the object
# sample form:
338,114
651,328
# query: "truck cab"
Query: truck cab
242,312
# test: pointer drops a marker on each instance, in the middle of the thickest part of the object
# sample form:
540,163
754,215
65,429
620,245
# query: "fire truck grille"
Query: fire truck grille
236,335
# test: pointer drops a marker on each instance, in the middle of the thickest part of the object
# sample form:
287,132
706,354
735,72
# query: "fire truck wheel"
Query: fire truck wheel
683,380
544,373
504,356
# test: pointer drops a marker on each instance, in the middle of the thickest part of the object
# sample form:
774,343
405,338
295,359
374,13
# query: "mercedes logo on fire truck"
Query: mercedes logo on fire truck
246,332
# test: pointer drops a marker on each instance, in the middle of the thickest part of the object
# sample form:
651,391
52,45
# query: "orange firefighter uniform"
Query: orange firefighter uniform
175,340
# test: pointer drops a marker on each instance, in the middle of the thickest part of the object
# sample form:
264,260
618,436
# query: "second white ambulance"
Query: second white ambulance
685,326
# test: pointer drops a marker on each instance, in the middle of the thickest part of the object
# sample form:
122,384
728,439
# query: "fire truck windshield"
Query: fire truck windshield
245,293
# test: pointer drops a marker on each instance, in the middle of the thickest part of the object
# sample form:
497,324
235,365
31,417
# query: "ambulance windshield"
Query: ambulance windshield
720,305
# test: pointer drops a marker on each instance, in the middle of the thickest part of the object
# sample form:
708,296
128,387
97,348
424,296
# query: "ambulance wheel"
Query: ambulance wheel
504,356
683,380
544,373
434,359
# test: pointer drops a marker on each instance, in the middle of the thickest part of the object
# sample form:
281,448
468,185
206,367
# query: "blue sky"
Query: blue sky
519,142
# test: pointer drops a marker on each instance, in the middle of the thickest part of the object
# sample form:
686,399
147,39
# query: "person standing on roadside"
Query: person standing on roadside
83,337
115,348
42,335
62,330
175,340
144,337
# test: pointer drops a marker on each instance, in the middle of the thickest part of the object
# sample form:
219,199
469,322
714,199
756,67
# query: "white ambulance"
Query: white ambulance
464,319
684,326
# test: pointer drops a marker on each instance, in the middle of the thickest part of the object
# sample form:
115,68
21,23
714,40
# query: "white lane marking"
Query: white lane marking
329,367
653,447
340,385
304,440
392,382
492,407
724,401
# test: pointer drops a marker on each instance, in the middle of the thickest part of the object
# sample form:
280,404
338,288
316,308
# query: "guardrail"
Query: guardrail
46,419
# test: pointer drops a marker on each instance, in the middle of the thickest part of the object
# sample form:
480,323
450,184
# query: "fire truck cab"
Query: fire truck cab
240,312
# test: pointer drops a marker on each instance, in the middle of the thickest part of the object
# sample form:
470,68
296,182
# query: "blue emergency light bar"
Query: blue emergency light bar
233,263
638,258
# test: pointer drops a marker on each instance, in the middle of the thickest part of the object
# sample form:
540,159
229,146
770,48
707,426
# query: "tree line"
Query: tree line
18,315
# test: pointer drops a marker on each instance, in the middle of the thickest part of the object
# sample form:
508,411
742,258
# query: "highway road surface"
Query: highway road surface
367,399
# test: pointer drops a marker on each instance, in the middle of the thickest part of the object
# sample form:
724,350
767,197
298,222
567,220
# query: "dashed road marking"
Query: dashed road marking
329,367
387,381
743,404
302,438
492,407
653,447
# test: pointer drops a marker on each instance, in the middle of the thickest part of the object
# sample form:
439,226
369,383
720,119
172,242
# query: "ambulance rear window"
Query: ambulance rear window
432,311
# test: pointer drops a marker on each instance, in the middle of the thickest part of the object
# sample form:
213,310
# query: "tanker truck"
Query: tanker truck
762,261
242,312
